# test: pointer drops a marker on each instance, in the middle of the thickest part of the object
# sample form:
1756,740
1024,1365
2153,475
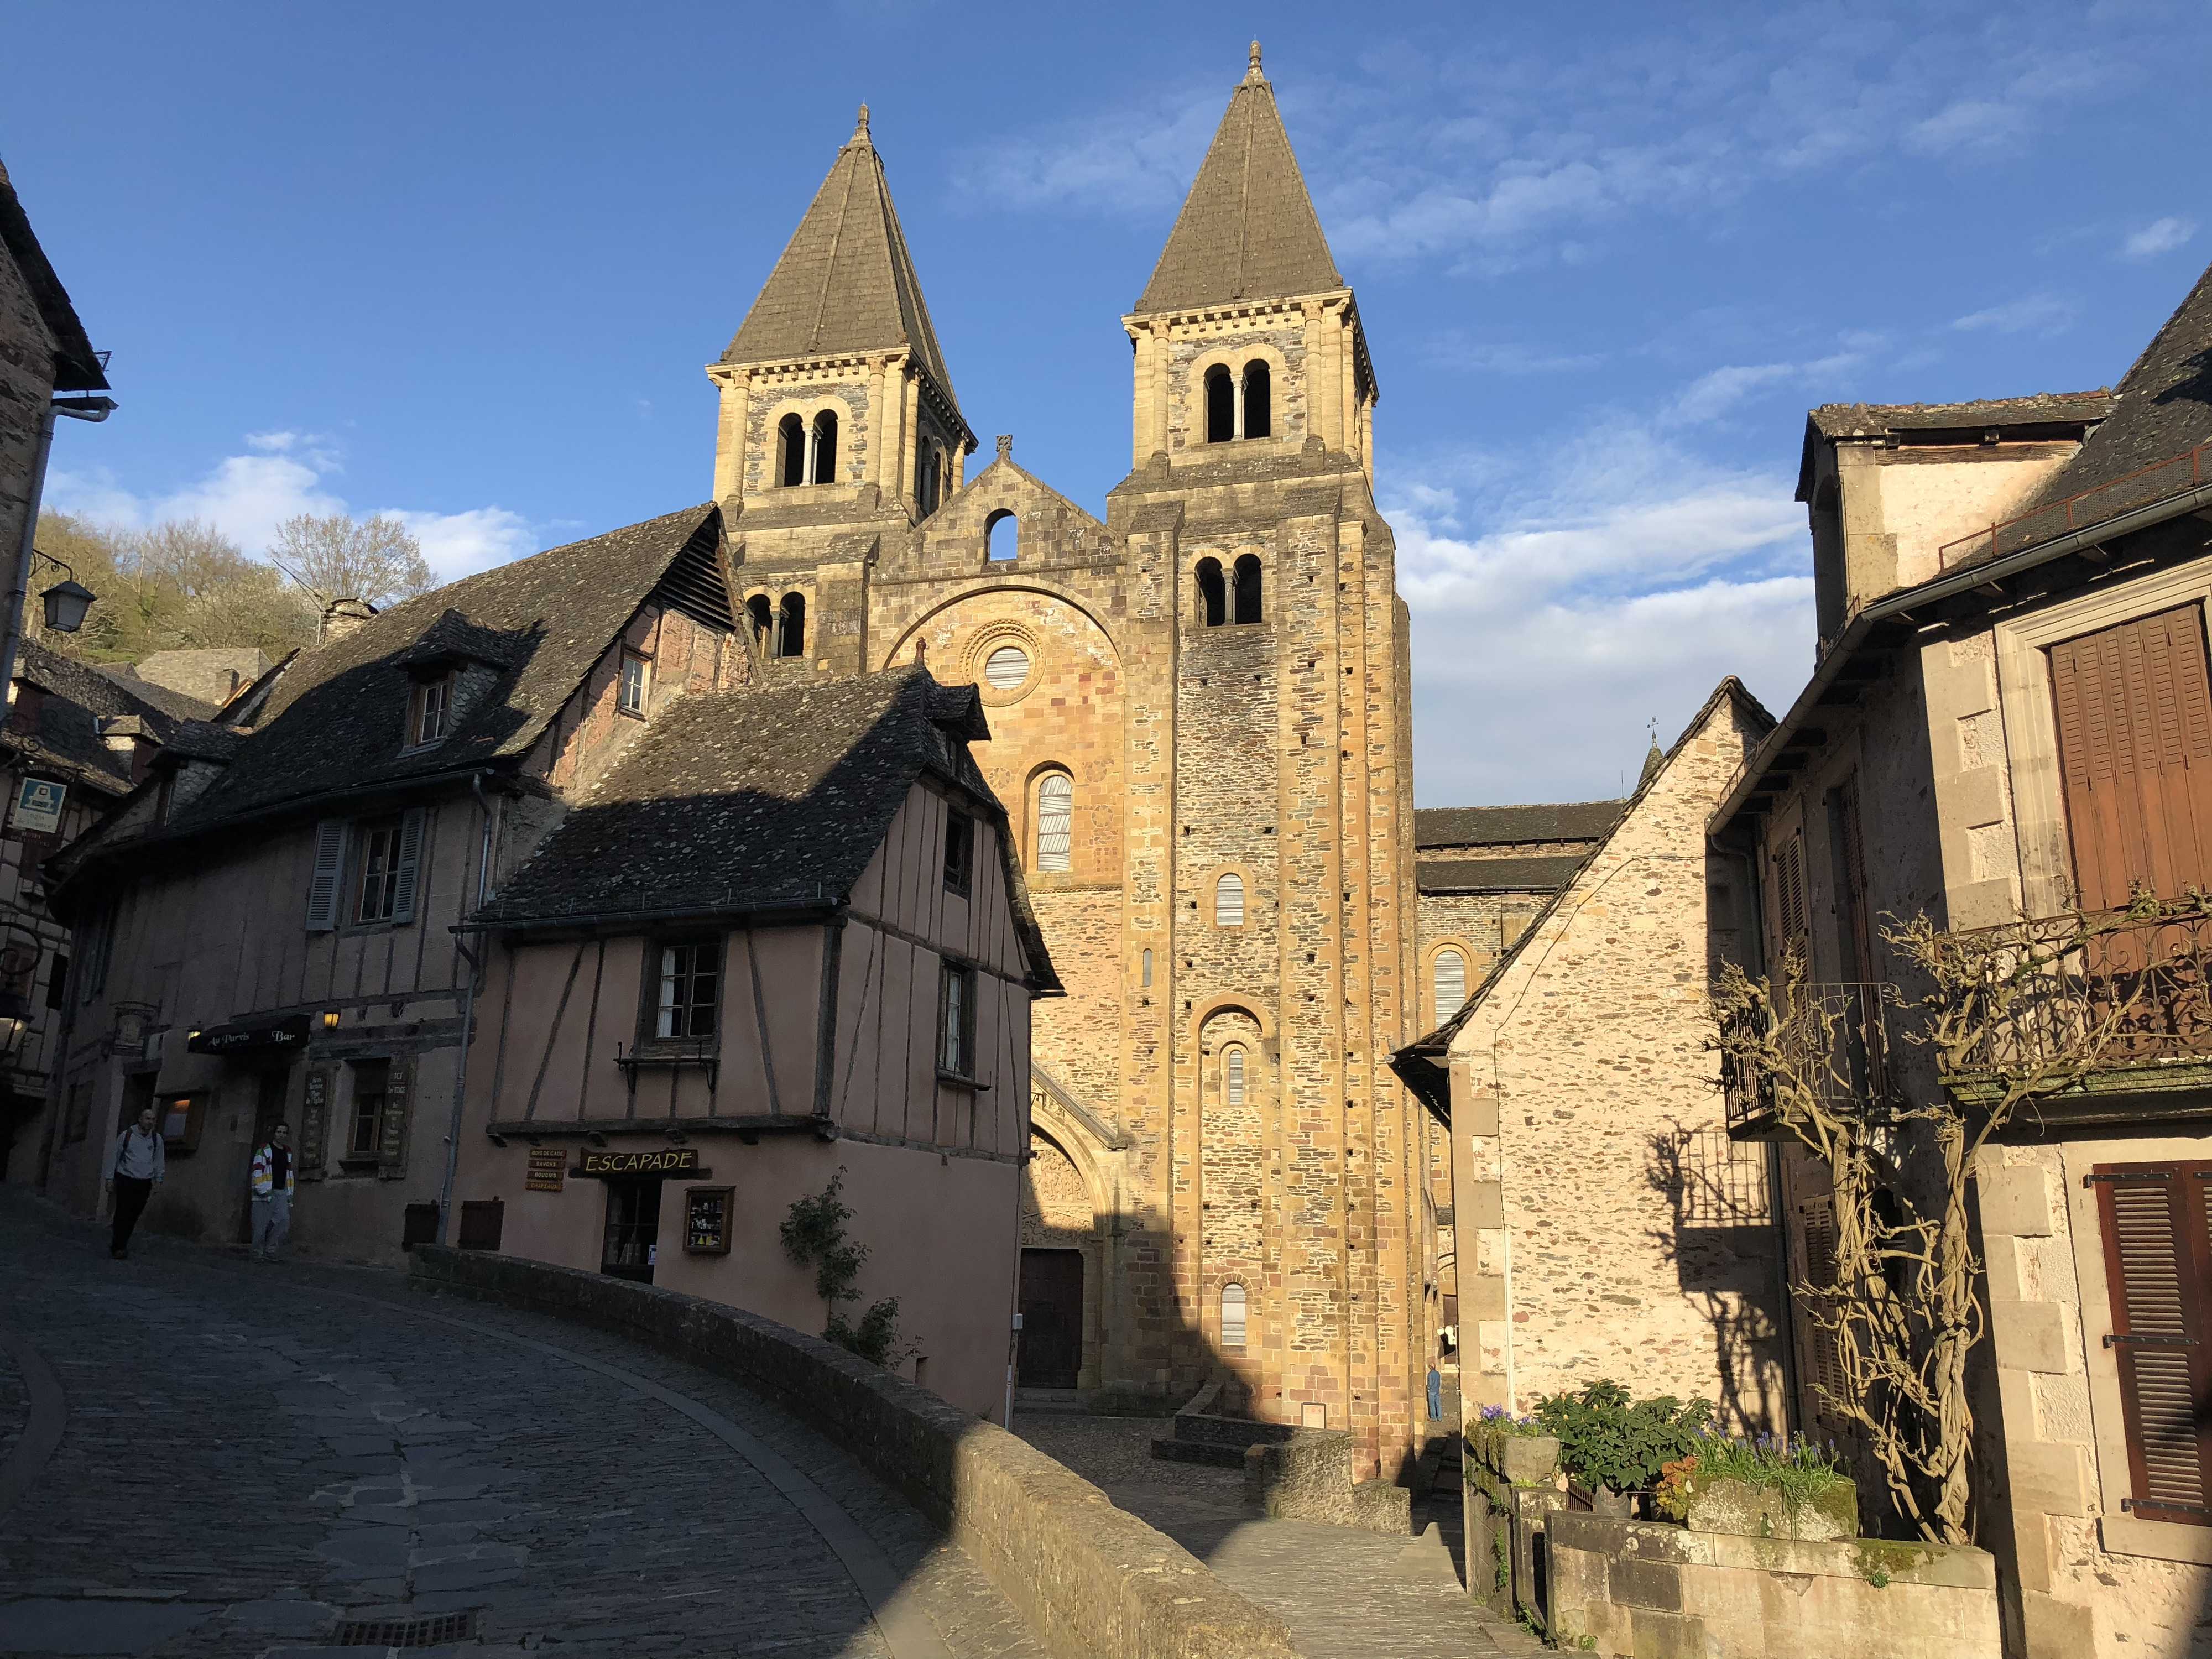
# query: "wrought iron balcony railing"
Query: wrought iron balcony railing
1833,1042
2103,994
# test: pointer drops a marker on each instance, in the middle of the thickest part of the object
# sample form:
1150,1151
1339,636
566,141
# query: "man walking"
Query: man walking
272,1193
135,1164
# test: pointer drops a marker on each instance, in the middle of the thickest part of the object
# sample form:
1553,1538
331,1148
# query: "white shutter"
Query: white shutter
1229,901
330,872
410,858
1451,982
1055,820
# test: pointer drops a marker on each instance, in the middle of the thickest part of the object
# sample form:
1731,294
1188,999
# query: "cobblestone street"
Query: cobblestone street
252,1455
1345,1594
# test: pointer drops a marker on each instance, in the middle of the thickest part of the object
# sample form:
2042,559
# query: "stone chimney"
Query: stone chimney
126,738
341,617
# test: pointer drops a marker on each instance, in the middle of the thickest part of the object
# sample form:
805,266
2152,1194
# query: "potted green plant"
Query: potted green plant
1768,1486
1613,1447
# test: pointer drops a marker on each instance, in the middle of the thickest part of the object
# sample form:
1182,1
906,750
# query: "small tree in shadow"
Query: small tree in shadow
2011,1016
813,1234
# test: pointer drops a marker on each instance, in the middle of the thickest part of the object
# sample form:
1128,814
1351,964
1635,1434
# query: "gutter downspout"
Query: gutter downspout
468,1029
19,585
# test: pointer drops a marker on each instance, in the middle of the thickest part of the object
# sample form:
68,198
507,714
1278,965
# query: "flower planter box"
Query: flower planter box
1737,1506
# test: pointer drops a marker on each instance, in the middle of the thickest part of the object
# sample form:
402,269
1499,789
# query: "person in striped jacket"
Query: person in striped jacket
272,1193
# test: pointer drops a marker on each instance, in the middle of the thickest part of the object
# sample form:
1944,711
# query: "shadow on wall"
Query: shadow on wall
1728,1262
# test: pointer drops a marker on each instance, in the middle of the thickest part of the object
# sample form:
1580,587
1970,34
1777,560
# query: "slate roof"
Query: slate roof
1542,875
179,705
761,798
66,737
2163,409
76,366
1502,826
1248,229
336,718
845,282
2042,409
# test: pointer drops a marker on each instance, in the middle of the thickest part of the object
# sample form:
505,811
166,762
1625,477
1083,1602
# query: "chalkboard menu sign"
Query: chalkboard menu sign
706,1220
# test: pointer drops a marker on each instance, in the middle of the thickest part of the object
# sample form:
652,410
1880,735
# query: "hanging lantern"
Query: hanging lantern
66,602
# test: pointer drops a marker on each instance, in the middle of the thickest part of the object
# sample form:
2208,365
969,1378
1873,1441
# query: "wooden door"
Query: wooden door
2135,744
1052,1318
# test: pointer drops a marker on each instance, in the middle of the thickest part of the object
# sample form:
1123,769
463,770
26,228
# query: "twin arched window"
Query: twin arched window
780,632
1229,900
1239,406
1448,972
1220,600
805,456
1055,820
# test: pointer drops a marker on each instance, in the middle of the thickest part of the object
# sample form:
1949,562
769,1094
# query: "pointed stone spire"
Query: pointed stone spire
1653,761
845,282
1248,230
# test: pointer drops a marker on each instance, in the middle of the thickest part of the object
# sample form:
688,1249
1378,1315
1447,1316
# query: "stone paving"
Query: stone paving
1345,1594
253,1454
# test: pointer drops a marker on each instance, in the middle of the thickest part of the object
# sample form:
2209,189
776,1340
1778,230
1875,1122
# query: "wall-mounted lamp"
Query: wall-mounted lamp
330,1019
65,603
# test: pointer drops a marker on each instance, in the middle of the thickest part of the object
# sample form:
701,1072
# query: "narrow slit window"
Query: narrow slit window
1233,1317
1233,1076
688,992
1450,975
1144,972
763,619
1258,421
1248,588
1220,405
1212,595
959,850
1229,900
956,1020
1055,820
825,447
790,441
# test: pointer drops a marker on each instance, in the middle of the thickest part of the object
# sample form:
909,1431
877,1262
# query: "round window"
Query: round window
1006,667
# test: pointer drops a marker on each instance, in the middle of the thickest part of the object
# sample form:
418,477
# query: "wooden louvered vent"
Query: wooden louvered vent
2156,1266
2134,709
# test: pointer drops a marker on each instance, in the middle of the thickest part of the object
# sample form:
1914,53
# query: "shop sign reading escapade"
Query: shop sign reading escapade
676,1160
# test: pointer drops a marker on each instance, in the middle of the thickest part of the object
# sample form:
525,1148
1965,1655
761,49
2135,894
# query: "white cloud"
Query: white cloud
284,474
2032,313
1712,395
1132,161
1621,585
2160,236
459,545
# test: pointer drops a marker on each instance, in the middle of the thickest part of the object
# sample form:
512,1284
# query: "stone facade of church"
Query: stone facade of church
1200,718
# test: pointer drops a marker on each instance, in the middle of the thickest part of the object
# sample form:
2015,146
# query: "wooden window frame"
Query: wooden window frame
634,709
399,881
959,852
955,1068
430,701
727,1196
353,1158
649,1033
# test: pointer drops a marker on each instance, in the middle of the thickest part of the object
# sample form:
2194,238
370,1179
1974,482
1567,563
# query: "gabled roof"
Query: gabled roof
2162,409
1503,826
2041,409
65,735
1419,1064
1248,229
336,717
761,799
76,365
845,282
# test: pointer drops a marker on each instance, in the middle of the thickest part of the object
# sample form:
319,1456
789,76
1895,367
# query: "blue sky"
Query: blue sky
466,262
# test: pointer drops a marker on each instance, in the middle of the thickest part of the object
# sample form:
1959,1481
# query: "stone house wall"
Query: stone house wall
1615,1231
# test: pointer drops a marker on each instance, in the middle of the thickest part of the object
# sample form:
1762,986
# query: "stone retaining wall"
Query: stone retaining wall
1637,1587
1092,1581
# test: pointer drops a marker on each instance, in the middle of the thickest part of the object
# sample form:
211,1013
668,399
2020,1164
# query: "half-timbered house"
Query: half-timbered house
264,928
784,942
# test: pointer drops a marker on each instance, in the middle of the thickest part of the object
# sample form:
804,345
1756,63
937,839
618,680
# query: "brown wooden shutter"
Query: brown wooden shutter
2156,1266
1819,1366
1791,930
2134,708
